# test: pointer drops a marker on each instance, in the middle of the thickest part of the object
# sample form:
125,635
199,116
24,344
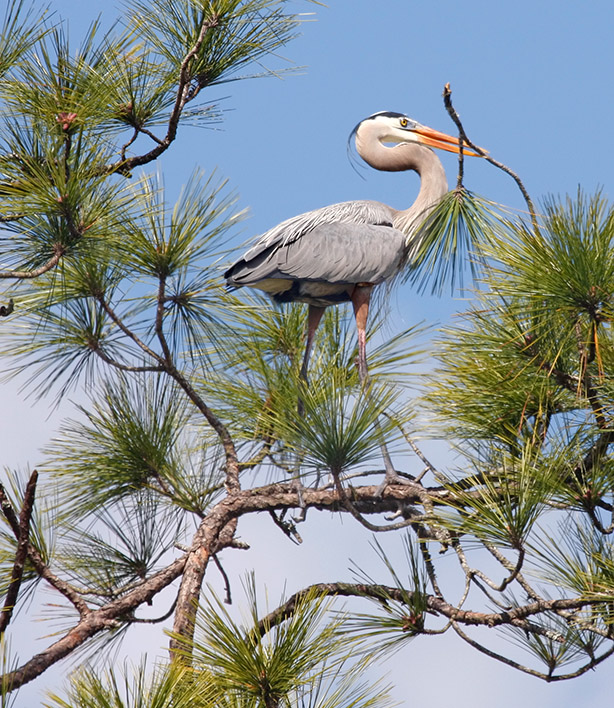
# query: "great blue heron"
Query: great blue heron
340,252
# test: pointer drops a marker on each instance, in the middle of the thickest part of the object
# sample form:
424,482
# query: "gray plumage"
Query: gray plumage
355,212
312,265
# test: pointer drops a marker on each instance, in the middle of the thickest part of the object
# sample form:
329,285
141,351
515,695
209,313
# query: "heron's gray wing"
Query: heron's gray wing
330,253
355,212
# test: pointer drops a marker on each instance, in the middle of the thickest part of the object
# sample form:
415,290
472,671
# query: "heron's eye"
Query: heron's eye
403,122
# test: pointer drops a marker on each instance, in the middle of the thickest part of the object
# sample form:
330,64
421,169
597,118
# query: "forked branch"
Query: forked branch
185,93
23,537
447,99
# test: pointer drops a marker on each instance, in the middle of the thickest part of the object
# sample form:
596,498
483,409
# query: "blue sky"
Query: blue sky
532,83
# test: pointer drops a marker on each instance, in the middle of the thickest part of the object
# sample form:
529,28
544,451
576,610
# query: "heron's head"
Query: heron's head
387,127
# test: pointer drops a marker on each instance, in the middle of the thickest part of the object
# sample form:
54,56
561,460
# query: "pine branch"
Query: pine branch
21,554
349,506
37,272
515,616
185,93
37,561
220,567
95,622
549,677
128,332
216,531
125,367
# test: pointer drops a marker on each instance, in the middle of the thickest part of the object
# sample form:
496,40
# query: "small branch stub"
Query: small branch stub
6,310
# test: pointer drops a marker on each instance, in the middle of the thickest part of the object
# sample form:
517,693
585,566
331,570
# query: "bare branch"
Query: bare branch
215,532
6,310
37,561
514,569
128,332
21,554
546,677
232,482
209,540
29,274
285,611
475,573
427,559
516,616
429,467
149,134
288,527
124,367
494,655
159,322
447,99
220,567
96,621
156,620
9,513
125,146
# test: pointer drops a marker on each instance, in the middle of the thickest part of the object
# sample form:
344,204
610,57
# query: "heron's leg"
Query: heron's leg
314,316
361,296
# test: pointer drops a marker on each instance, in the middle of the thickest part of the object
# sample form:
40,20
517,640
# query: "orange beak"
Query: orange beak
441,141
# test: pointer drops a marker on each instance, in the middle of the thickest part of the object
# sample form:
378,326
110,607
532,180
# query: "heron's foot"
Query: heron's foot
363,371
302,514
391,477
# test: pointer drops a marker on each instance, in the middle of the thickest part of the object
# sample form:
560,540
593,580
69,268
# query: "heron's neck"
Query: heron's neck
409,156
433,187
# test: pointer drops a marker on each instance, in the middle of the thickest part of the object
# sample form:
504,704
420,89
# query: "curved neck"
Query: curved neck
407,156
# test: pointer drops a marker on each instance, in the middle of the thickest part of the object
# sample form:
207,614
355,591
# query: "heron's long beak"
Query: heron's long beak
441,141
